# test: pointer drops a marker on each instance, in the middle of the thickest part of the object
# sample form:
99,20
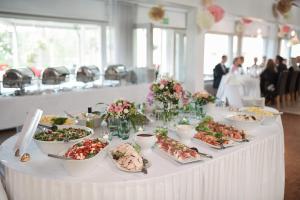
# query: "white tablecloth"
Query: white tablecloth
234,87
248,171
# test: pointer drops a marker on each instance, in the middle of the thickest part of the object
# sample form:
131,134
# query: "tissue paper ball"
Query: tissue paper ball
156,13
205,19
217,12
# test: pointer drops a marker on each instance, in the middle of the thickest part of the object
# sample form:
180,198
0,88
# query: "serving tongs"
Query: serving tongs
202,154
145,162
52,128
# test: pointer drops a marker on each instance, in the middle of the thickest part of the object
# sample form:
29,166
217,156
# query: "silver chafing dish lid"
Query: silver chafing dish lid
17,77
55,75
88,73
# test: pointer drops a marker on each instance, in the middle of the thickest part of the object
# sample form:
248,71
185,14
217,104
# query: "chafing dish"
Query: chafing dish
88,74
17,78
115,72
55,75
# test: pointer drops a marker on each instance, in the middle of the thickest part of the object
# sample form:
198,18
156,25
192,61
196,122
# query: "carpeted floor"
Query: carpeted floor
292,154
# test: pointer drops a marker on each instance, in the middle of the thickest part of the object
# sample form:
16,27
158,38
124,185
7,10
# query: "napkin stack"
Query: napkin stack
29,128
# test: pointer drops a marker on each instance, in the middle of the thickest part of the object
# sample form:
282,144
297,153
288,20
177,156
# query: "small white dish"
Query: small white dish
185,132
145,140
243,124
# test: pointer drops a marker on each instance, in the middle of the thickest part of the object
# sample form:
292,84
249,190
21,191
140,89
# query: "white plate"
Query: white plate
231,143
266,119
123,169
186,161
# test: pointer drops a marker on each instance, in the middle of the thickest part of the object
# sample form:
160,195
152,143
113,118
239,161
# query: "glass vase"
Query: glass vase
113,126
199,110
124,129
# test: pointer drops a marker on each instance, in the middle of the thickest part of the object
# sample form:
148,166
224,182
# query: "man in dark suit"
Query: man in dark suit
220,70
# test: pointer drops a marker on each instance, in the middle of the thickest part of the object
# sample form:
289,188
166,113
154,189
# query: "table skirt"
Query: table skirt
253,172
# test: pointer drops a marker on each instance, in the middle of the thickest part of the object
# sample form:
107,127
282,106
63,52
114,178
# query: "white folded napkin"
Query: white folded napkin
29,128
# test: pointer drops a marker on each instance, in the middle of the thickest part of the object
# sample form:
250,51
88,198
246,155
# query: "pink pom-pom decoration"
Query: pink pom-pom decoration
217,12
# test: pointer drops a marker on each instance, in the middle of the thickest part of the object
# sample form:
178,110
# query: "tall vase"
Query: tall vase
113,126
199,110
124,129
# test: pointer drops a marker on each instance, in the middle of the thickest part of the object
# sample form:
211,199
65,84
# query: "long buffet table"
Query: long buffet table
253,170
14,109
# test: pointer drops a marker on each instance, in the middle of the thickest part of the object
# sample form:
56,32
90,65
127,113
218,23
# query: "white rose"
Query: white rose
126,111
161,86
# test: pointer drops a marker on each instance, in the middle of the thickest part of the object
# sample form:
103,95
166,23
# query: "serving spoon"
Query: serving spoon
58,157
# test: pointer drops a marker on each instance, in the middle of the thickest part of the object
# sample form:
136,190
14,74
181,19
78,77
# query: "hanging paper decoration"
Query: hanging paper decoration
284,6
217,12
246,21
239,27
206,3
286,29
295,40
205,20
156,13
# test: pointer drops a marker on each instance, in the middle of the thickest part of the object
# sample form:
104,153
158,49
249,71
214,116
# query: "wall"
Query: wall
78,9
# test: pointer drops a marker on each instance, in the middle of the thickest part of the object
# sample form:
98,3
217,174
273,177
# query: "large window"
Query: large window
140,47
285,48
215,46
41,44
295,51
252,47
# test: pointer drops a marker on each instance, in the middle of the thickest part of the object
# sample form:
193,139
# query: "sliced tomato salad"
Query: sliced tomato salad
86,149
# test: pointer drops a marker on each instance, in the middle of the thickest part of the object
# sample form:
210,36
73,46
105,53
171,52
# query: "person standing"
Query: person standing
236,66
220,70
280,65
268,80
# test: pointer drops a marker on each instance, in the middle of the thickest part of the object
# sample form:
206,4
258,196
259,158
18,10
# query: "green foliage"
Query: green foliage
5,47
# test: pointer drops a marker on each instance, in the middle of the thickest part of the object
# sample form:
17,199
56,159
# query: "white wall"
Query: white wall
79,9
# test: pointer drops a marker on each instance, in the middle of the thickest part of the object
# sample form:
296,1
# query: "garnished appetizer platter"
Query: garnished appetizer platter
127,158
219,135
177,150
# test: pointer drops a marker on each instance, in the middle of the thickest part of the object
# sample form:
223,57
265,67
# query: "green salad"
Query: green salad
64,134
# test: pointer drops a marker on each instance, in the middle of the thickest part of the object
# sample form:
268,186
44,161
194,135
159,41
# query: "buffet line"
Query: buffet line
144,129
24,81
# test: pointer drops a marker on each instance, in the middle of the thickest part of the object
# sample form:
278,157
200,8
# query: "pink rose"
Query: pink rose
164,82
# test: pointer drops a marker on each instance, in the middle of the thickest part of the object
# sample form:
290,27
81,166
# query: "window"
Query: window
252,47
40,44
295,50
284,48
163,50
215,46
140,47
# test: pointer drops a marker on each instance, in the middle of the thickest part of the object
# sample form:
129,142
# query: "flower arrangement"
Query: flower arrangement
165,91
121,109
203,98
